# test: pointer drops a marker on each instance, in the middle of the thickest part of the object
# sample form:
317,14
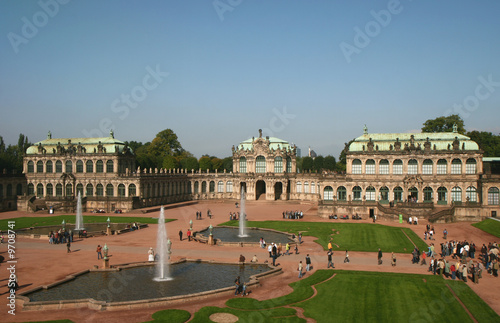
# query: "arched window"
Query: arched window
356,166
69,190
132,190
328,193
493,193
470,166
383,167
427,167
203,187
370,167
69,167
456,166
109,190
79,188
58,166
471,194
48,167
384,194
260,164
288,165
1,191
89,165
109,166
442,166
278,164
59,190
356,193
306,187
413,196
99,190
243,165
39,166
99,166
79,166
212,187
313,188
31,166
31,189
370,193
89,190
19,189
196,187
299,187
398,194
456,194
412,167
229,186
39,190
220,187
428,195
49,190
397,167
9,190
121,190
341,193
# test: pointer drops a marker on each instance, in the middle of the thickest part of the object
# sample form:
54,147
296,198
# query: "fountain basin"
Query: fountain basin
225,235
132,286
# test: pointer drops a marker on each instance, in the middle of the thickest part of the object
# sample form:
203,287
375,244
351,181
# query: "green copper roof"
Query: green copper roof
438,140
274,143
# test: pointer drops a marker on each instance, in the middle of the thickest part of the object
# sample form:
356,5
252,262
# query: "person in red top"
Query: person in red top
189,234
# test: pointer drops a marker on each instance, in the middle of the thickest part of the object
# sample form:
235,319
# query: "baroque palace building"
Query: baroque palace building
441,176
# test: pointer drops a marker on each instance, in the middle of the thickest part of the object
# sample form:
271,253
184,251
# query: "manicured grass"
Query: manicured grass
379,297
348,236
277,315
37,221
172,316
490,226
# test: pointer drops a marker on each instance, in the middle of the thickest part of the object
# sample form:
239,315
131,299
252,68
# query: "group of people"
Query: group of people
188,234
60,236
412,220
234,216
199,214
295,215
429,232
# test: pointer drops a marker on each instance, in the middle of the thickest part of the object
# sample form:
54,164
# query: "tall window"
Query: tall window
31,167
203,187
39,166
212,187
196,187
99,190
428,196
39,190
19,189
31,189
442,195
89,190
109,190
109,166
306,187
383,167
397,167
313,189
9,190
384,193
356,166
493,193
79,166
132,190
260,164
299,187
220,187
59,190
456,166
79,188
48,167
328,193
89,166
278,164
69,166
442,165
341,193
412,167
370,193
58,166
229,186
398,194
413,193
99,166
356,193
427,167
470,166
456,194
370,167
243,165
49,190
288,165
69,190
471,194
121,190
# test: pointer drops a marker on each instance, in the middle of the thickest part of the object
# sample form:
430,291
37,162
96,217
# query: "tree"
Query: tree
227,164
217,164
329,163
444,124
165,144
318,163
341,164
206,163
307,163
487,141
190,163
170,162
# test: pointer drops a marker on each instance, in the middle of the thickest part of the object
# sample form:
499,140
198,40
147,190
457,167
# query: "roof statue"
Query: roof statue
455,128
365,130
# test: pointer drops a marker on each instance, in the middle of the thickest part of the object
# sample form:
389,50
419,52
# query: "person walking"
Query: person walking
308,263
330,261
379,256
180,235
99,252
393,260
68,246
300,269
346,259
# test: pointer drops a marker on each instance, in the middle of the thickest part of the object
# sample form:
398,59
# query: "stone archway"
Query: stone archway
260,190
278,190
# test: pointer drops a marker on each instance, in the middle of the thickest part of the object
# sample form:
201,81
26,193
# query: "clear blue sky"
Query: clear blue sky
310,72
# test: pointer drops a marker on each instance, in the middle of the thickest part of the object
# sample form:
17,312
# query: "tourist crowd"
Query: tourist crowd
293,215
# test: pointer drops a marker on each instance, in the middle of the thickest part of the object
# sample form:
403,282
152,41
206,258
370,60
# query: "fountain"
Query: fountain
163,244
243,231
79,216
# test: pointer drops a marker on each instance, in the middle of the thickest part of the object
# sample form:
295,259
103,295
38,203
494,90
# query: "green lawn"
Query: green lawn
490,226
37,221
350,236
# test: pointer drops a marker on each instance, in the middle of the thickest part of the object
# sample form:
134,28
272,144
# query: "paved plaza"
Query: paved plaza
40,263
